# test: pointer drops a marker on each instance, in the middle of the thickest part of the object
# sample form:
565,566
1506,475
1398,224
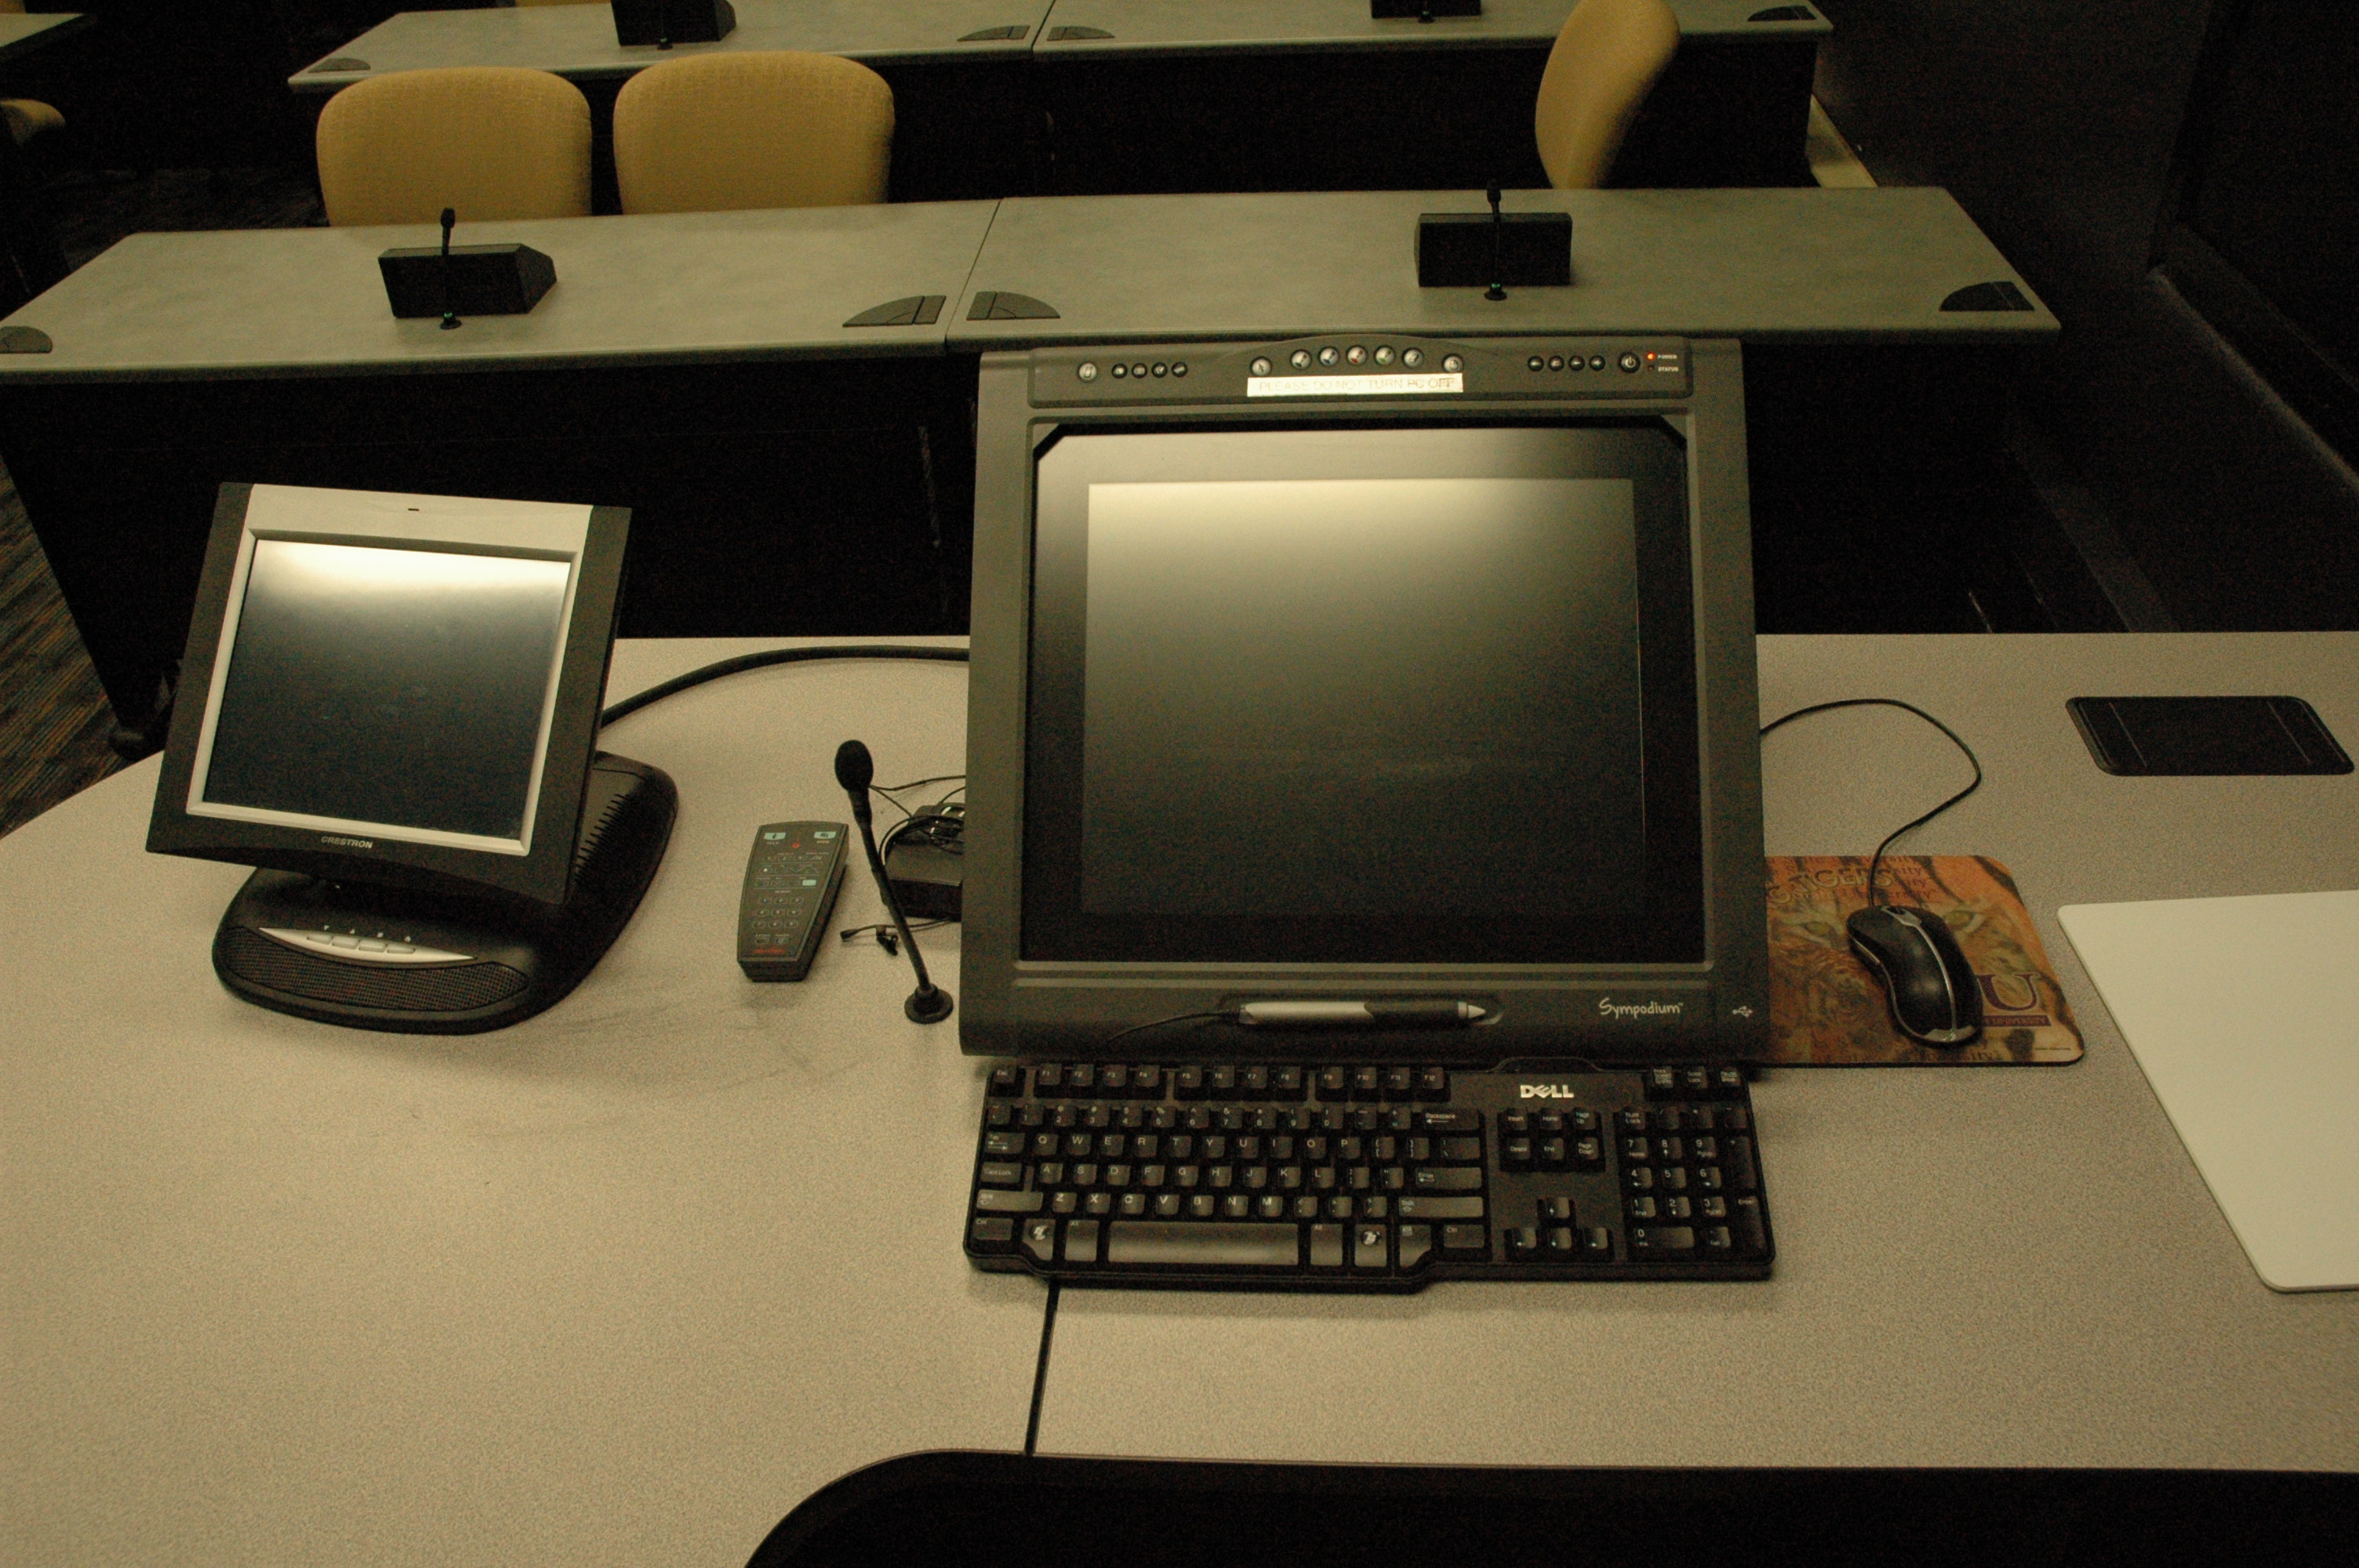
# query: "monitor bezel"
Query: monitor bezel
1012,1007
592,538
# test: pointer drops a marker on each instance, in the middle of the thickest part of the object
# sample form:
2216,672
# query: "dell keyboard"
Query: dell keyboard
1367,1177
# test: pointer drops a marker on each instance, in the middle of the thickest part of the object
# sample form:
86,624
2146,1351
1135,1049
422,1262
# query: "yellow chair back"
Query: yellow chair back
1605,61
718,133
494,141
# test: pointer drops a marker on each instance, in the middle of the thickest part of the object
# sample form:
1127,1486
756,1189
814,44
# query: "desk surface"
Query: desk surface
1205,26
627,1282
579,40
21,34
1983,1267
651,289
619,1285
1763,265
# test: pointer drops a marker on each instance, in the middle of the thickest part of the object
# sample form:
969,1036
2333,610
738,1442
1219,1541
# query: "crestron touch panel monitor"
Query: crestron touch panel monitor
1364,669
389,705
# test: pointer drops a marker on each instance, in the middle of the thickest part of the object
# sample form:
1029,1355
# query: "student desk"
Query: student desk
1165,95
961,101
21,34
692,367
1976,1267
618,1285
31,256
1148,95
1769,266
626,1282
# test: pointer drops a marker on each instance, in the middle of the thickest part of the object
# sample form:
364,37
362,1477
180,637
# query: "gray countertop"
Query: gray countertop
2011,1266
1763,265
620,1284
1209,27
579,40
628,1282
21,34
647,289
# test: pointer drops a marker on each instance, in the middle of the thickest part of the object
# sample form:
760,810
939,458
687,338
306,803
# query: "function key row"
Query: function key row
1066,1116
1151,1081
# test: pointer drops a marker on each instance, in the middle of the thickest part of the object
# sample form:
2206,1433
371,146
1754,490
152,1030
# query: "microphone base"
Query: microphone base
928,1006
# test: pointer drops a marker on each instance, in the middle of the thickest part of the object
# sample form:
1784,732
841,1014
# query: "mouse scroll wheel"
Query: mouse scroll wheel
1906,917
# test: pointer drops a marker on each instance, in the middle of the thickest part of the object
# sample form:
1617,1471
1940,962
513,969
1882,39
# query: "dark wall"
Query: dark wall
2057,124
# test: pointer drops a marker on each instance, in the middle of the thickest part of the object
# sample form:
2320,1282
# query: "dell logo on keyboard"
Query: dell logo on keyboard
1545,1091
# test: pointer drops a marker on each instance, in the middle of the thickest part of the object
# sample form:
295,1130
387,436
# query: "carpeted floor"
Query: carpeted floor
53,717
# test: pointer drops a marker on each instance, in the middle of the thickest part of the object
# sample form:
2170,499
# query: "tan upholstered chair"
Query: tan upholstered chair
1604,63
715,133
493,141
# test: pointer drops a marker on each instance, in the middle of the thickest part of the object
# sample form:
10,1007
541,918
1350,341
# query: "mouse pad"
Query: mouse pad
1825,1011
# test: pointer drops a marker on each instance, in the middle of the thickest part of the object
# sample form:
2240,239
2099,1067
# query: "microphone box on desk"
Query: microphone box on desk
673,21
1454,250
485,280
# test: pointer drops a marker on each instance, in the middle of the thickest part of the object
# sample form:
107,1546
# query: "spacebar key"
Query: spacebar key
1252,1246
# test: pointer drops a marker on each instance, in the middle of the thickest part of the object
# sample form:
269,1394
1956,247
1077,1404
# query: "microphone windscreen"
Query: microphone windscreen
854,767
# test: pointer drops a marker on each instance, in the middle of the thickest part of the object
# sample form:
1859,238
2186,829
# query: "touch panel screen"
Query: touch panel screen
1352,680
388,687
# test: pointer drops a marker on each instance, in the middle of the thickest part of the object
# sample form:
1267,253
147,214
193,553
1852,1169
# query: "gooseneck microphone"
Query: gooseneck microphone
1499,289
855,770
450,222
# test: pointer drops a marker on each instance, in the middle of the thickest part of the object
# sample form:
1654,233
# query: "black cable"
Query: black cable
887,937
1041,1370
769,656
913,784
1227,1014
1876,862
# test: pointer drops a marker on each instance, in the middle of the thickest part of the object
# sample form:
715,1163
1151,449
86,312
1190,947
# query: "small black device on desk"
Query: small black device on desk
792,876
456,281
664,23
2198,737
1491,250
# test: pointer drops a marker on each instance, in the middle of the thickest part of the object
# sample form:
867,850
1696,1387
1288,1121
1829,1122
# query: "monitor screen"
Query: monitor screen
388,689
1377,693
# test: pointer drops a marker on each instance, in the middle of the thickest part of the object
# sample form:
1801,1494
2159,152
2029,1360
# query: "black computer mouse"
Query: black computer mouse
1923,971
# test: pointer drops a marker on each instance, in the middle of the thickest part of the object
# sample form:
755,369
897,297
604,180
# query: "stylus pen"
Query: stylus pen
1360,1014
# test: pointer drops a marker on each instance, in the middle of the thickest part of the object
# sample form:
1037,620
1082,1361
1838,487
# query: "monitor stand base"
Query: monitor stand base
369,956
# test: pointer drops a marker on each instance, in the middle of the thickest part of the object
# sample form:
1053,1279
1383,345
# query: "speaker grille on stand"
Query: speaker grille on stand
461,988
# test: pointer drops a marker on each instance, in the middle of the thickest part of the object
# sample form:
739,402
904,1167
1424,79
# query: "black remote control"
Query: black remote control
791,879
